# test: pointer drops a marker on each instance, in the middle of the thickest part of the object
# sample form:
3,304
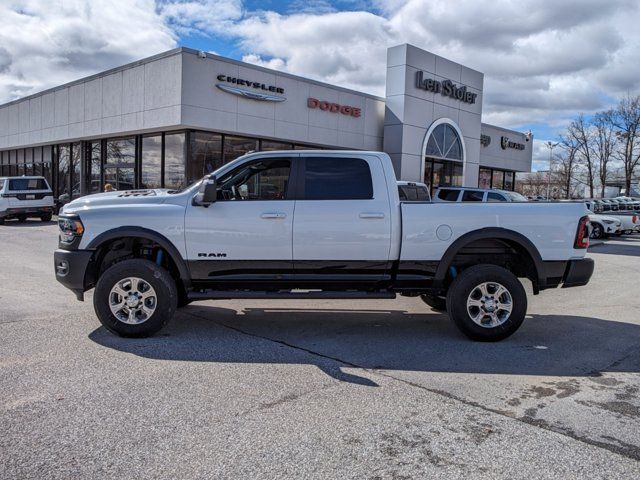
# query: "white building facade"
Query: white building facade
169,119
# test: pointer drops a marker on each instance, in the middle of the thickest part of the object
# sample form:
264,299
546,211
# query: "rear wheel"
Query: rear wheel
135,298
435,302
487,303
46,217
22,218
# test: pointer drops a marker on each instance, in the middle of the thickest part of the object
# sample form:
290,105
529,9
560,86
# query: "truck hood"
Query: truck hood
117,198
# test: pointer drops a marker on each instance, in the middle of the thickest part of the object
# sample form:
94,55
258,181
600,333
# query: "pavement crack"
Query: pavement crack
626,450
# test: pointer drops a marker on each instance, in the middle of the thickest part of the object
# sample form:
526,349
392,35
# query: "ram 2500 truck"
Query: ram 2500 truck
314,224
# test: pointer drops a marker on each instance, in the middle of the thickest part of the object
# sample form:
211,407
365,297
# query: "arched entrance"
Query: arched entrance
443,155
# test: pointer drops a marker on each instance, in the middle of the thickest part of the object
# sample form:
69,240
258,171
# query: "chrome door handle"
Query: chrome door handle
273,215
372,215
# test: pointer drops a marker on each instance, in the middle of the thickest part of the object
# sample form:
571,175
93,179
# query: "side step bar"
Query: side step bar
287,294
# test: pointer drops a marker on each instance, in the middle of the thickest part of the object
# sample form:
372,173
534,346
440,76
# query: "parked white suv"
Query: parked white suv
470,194
22,197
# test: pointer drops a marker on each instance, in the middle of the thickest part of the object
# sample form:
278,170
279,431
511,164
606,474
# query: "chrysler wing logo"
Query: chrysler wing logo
264,97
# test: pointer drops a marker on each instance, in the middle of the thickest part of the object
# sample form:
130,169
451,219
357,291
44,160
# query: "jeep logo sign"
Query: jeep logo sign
446,88
506,143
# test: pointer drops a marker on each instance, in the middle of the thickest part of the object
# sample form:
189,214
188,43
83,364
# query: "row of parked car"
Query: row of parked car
622,215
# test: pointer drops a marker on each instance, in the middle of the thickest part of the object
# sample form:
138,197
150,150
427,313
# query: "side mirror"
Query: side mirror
208,192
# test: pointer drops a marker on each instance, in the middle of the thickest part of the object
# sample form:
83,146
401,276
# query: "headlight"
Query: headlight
609,221
70,229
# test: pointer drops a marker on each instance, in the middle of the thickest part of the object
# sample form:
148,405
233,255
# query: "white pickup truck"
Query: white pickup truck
314,224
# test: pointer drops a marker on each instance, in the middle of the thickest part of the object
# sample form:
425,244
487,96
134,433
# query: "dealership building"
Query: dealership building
167,120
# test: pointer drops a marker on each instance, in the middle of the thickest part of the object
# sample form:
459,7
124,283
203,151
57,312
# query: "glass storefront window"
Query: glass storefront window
438,175
174,161
235,147
119,167
206,155
268,146
428,170
508,180
484,178
151,163
75,170
93,169
456,174
62,175
497,179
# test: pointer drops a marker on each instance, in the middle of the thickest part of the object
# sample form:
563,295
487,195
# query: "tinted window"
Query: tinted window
495,197
337,179
472,196
448,195
27,184
261,180
402,192
423,194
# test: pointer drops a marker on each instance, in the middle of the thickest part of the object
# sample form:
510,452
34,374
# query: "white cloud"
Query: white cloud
543,60
46,43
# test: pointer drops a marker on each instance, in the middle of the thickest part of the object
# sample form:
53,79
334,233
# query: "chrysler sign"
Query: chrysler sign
445,87
259,91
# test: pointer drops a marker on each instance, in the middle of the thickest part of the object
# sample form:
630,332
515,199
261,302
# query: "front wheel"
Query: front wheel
487,303
46,217
597,231
135,298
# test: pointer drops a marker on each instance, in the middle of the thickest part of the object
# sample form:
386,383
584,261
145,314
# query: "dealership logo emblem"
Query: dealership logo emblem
232,84
506,143
485,140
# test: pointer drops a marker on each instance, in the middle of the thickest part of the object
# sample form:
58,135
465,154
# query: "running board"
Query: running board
287,294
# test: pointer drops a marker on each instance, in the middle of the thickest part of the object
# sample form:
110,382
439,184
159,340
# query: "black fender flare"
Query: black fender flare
495,233
140,232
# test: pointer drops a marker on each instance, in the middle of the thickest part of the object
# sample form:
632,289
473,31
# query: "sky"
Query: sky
544,61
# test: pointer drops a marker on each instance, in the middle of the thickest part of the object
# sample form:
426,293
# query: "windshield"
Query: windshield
516,197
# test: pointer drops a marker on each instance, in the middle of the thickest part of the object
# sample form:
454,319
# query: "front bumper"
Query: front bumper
578,272
71,267
17,211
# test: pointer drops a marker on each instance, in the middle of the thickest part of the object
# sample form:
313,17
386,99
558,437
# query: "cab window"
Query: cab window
337,179
266,179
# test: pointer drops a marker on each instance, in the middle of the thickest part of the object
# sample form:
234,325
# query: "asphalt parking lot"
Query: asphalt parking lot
317,389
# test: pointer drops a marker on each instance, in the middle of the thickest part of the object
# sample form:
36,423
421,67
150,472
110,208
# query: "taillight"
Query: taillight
582,235
9,195
634,219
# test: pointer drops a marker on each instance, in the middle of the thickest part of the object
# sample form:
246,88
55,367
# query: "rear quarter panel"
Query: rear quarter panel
551,227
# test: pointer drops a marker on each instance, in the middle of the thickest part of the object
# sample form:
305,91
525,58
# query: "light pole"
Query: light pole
550,146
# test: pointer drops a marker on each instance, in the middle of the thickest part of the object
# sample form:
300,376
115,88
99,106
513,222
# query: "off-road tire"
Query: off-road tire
157,277
459,294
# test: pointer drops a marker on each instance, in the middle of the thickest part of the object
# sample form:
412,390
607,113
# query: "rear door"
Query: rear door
342,225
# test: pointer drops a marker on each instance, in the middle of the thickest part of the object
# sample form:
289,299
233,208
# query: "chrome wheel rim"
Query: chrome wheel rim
132,300
489,304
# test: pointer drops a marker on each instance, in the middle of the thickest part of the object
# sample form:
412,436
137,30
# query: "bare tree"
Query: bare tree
567,163
579,132
626,120
604,143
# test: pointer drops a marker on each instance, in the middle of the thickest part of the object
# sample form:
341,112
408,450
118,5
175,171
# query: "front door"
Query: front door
246,235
